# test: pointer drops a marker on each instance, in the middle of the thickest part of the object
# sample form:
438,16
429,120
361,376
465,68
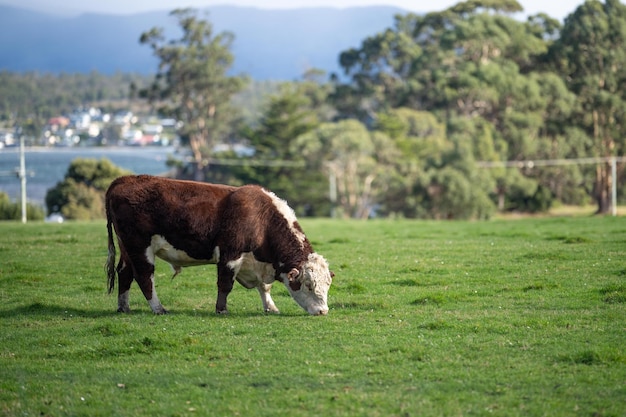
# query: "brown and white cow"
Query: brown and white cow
252,235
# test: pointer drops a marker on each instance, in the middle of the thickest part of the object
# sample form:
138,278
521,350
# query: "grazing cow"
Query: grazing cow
252,235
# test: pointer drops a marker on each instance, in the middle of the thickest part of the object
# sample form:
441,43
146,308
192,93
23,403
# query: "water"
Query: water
49,166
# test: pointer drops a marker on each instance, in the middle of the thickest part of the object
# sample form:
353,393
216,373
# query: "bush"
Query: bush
13,211
80,196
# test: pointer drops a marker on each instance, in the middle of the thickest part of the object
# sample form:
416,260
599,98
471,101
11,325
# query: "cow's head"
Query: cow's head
309,286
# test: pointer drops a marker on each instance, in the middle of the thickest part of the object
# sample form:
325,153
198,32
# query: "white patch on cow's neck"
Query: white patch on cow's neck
287,212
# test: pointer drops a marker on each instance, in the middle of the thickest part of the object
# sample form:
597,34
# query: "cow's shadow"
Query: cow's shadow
52,310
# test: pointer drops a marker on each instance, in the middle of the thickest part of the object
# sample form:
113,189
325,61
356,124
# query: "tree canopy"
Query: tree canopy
192,83
542,91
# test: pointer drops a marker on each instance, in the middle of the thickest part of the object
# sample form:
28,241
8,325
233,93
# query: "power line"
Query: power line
258,163
612,160
550,162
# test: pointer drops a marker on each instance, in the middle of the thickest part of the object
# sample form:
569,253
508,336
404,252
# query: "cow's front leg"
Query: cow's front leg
266,298
225,281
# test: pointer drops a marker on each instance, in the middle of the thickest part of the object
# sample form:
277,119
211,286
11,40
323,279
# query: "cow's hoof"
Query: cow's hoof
268,311
161,311
123,310
221,312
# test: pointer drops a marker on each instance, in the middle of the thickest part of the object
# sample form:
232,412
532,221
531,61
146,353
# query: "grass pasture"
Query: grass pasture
508,317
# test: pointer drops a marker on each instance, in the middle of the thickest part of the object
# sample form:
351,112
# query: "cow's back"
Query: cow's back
143,206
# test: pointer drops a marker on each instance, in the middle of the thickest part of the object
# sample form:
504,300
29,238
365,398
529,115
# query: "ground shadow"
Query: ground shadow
40,309
52,310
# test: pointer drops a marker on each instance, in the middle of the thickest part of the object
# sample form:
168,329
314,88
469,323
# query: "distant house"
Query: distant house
57,123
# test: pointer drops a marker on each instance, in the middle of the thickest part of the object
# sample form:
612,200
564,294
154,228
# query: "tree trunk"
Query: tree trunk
195,145
603,189
501,200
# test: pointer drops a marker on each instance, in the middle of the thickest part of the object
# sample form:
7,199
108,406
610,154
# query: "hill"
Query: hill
269,44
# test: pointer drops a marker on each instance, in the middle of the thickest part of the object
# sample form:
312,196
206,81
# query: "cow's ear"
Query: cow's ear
292,276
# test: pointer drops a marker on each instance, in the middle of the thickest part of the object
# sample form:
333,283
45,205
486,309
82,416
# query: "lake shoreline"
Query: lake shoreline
46,166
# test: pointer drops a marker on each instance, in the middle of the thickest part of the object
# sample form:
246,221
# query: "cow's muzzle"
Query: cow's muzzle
320,312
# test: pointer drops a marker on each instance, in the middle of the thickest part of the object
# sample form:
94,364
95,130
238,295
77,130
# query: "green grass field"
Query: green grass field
507,317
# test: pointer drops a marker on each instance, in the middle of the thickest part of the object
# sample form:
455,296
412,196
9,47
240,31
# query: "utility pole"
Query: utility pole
22,176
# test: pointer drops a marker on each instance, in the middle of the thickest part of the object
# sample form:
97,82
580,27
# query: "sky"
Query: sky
558,9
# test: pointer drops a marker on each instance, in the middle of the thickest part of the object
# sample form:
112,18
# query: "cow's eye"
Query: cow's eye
309,286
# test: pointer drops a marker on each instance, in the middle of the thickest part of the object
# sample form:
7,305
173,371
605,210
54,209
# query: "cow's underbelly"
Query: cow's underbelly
178,257
248,271
251,273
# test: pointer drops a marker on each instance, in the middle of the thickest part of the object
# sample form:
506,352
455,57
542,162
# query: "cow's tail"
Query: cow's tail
110,264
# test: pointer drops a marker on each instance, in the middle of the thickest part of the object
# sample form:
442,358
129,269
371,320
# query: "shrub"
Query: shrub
80,196
10,210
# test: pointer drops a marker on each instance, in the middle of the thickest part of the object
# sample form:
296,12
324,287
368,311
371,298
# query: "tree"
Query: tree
419,141
436,174
288,115
590,56
80,196
192,82
352,156
471,61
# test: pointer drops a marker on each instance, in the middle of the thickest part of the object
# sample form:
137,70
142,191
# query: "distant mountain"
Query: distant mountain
269,44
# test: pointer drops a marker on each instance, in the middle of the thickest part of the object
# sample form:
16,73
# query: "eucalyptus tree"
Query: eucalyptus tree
591,58
192,81
296,109
436,175
473,61
356,160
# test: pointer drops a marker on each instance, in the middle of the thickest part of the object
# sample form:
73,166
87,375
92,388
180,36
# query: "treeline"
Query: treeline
401,131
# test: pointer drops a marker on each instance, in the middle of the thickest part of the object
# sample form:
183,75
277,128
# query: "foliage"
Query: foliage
296,108
515,318
590,56
192,82
474,62
435,174
80,196
10,210
354,159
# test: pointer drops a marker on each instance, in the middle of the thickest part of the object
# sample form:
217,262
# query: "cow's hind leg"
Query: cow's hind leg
125,278
144,275
266,298
225,281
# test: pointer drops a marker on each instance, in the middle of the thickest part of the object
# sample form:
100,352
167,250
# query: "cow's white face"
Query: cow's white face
310,286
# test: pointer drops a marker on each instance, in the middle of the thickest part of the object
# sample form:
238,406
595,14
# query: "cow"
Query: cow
251,234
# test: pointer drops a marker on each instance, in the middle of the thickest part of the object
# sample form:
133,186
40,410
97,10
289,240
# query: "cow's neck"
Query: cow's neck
289,249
